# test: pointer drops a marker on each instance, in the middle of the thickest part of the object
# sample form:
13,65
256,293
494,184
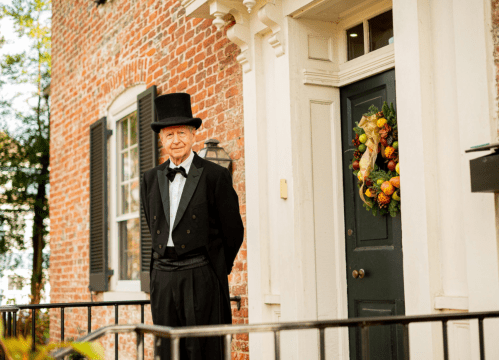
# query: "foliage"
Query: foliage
24,148
20,348
42,328
380,173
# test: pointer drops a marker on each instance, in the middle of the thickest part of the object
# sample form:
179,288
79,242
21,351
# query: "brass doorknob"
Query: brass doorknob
358,274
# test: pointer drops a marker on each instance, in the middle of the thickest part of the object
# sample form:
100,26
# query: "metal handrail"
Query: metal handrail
174,334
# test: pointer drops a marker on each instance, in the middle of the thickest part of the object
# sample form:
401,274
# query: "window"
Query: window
122,146
355,42
128,199
378,29
15,282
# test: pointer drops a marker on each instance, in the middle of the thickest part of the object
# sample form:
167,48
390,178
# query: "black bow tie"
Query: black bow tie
171,172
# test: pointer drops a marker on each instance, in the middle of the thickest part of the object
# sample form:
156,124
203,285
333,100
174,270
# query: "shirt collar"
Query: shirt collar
186,164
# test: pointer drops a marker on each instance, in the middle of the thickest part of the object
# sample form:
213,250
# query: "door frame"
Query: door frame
320,83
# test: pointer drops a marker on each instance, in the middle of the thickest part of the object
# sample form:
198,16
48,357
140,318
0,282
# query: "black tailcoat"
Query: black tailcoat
207,216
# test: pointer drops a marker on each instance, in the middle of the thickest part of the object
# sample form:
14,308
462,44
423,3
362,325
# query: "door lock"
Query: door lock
358,274
350,232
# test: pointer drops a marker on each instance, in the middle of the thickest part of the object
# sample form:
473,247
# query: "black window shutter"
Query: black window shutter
148,155
98,206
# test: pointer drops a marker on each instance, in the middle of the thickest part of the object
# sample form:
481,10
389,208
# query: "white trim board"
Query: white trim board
354,70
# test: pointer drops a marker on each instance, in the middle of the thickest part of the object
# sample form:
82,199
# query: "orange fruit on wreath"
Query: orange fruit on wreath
395,181
389,151
383,199
370,193
387,188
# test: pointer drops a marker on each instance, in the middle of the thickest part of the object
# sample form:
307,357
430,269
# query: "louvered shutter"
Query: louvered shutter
98,206
148,154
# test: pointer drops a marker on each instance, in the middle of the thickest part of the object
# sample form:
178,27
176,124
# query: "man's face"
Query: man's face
178,141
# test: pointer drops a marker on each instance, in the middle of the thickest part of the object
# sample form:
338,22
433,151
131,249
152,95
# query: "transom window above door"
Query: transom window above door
372,34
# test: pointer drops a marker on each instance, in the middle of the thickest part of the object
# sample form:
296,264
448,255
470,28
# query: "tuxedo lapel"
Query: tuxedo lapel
190,186
164,188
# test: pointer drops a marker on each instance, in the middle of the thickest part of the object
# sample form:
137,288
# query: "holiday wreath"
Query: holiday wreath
379,180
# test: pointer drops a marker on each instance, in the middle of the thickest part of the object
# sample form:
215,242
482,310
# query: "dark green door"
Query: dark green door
373,244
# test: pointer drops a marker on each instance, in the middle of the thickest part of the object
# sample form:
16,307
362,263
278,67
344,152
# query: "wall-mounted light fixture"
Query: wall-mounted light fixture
214,153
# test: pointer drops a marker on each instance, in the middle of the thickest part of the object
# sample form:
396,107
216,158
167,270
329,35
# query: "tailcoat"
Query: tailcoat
207,216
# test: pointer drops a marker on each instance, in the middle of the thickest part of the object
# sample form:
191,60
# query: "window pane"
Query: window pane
381,31
134,163
355,41
133,128
129,250
125,167
212,154
135,197
124,134
125,207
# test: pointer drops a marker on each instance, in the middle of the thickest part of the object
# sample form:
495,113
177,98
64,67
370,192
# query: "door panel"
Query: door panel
373,244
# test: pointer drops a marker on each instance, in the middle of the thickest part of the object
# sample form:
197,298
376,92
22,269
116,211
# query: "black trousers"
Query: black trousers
188,298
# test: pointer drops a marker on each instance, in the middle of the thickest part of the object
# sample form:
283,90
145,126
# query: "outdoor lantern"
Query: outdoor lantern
215,153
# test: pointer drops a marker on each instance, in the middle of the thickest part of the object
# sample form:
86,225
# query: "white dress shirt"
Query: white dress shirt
176,188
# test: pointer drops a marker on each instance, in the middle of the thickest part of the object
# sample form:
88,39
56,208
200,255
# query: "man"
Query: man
193,215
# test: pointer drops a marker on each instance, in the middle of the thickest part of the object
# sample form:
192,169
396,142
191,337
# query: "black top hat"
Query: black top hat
173,110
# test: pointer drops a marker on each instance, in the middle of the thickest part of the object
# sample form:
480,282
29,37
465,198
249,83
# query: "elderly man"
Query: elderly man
193,215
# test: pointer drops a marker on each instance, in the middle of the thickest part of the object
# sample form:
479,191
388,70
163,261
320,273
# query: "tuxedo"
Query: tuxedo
207,220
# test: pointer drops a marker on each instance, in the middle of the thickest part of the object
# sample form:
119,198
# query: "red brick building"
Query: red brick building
104,58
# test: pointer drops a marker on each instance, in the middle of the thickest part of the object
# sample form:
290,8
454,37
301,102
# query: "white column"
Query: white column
415,113
476,93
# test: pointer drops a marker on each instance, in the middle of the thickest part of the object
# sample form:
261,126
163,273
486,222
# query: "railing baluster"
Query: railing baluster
364,340
4,319
227,347
62,324
482,341
175,348
277,345
9,324
116,336
446,345
142,321
405,336
321,343
33,345
89,319
14,324
140,346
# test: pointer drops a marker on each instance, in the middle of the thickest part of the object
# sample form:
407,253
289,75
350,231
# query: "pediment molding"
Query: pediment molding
349,72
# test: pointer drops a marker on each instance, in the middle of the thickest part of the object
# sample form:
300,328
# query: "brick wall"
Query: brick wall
97,54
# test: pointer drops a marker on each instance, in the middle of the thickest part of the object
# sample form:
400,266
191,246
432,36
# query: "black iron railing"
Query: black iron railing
175,334
9,315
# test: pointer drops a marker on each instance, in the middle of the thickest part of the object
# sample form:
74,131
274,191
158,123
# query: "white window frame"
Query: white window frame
120,107
362,17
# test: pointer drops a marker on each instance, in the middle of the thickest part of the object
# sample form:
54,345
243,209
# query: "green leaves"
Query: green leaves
358,130
20,348
372,110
